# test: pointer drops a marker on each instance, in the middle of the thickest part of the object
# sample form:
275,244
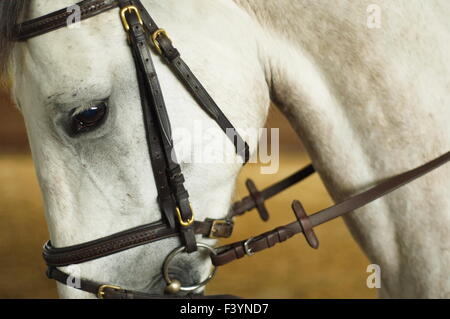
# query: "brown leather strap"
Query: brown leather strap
215,228
107,245
305,224
167,204
257,198
58,19
105,291
157,124
142,235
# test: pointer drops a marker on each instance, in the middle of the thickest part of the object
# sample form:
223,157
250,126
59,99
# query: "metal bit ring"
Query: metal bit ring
179,250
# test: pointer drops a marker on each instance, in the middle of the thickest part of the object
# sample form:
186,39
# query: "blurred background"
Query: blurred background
291,270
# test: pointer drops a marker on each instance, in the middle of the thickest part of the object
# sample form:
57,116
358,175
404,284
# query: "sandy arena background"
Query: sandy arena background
290,270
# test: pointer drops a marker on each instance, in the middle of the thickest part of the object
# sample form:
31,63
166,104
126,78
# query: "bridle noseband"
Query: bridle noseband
173,199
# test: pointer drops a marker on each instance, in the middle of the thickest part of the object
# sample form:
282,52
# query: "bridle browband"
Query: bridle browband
173,198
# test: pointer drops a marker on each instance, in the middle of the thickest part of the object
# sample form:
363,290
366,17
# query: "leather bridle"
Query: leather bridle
173,198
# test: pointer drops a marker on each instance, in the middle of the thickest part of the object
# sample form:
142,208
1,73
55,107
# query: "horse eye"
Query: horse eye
89,118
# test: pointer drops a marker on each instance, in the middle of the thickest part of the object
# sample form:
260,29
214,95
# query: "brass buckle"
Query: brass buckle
130,9
155,36
185,223
101,290
213,229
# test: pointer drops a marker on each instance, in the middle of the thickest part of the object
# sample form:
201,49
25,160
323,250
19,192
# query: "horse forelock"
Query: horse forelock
11,11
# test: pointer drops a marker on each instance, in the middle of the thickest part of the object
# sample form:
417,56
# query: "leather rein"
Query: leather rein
173,199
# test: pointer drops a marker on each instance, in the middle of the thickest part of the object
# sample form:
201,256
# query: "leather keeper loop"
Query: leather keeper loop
167,49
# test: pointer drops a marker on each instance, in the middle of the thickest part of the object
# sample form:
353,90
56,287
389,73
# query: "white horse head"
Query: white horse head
367,101
99,182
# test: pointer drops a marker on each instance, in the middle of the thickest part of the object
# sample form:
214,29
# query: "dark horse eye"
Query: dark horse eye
89,119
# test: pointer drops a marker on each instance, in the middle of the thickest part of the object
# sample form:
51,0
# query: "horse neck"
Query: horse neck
359,98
